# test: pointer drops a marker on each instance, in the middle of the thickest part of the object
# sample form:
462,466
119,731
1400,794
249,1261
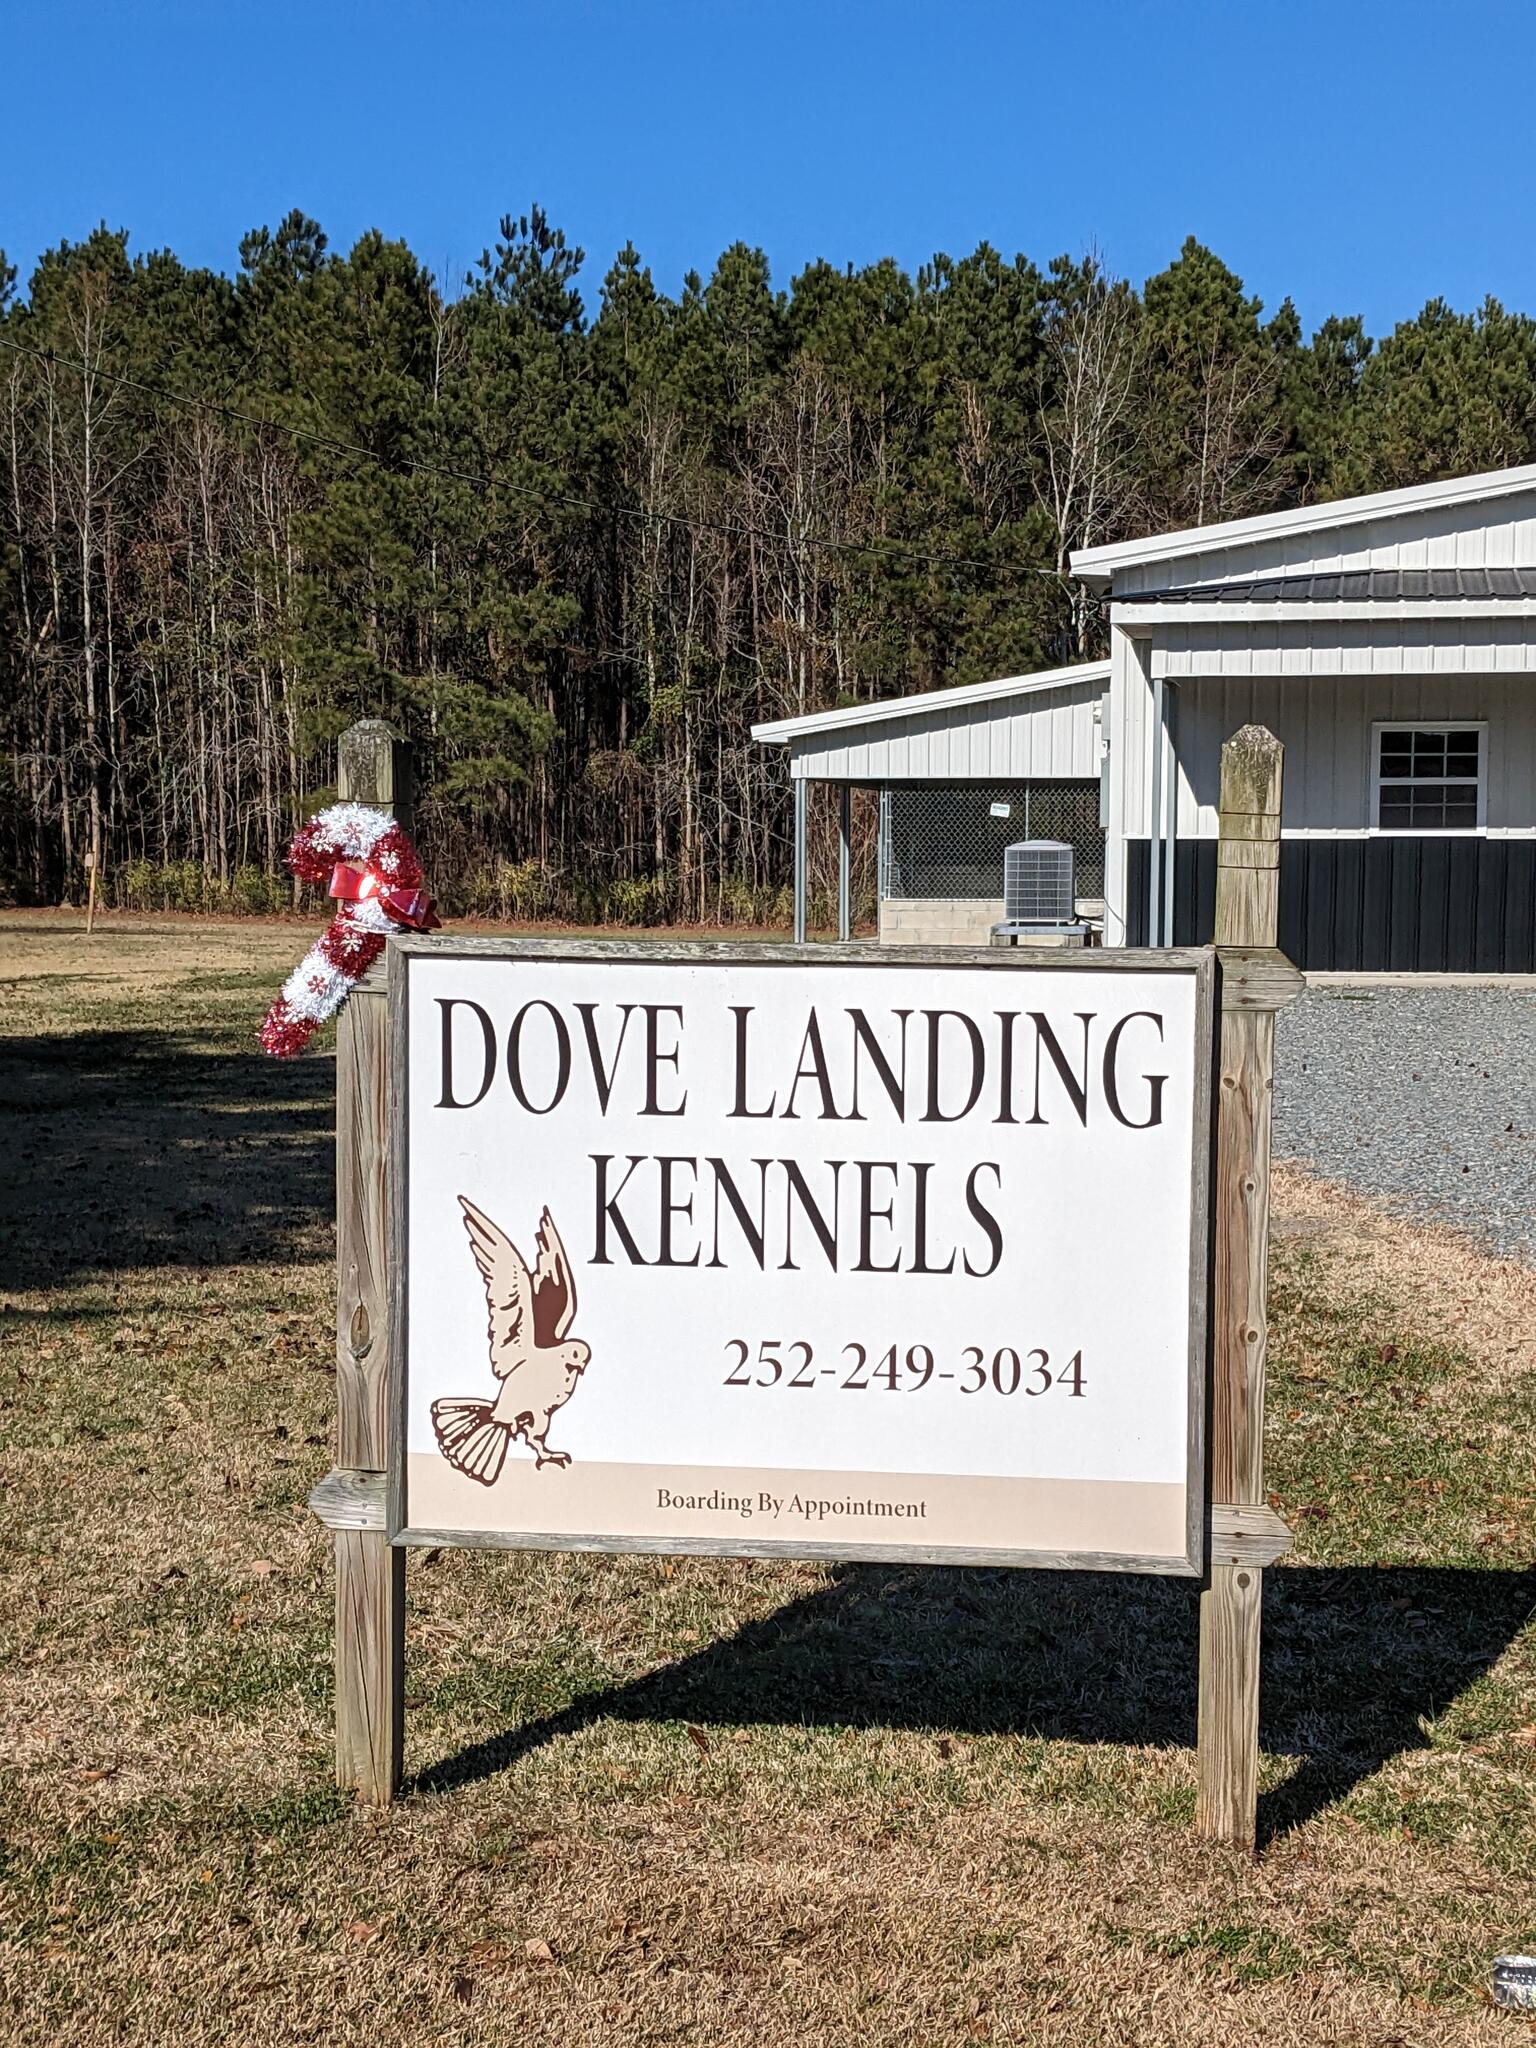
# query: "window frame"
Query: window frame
1380,729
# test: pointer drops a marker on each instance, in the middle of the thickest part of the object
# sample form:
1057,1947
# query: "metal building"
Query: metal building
961,773
1388,640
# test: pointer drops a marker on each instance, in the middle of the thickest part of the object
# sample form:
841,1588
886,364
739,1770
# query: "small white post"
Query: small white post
1170,819
1155,823
844,863
800,792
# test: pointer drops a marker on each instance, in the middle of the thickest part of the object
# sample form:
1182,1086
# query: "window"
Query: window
1429,778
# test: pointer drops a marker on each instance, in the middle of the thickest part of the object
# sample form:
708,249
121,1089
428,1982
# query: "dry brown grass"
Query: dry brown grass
1448,1285
684,1801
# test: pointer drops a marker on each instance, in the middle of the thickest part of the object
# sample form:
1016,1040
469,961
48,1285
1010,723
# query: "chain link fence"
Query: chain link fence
946,840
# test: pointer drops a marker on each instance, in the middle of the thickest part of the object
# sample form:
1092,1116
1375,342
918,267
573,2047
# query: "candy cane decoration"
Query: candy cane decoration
370,868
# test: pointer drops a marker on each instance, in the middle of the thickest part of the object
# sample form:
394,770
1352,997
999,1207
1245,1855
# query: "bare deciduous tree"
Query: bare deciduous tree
1088,474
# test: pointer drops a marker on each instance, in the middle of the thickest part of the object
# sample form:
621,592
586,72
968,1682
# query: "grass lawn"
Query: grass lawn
675,1801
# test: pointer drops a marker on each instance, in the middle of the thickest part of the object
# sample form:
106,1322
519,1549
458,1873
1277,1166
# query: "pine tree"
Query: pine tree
1447,394
1216,438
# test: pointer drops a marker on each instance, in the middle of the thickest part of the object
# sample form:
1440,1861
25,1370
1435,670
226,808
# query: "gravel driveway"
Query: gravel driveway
1426,1096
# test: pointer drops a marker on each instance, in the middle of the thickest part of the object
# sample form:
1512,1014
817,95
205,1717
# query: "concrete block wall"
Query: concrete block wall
942,921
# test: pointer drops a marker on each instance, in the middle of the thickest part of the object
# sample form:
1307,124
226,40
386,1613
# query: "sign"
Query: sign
815,1252
812,1252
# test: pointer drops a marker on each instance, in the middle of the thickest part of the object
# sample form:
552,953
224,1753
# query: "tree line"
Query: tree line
574,554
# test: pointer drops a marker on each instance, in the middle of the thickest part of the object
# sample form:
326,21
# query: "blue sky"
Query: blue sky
1362,155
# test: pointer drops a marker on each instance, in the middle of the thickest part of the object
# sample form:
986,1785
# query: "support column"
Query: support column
800,787
1128,717
1155,821
370,1571
1247,916
844,862
1170,818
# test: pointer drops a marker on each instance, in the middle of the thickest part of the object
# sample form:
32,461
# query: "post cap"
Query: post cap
1250,771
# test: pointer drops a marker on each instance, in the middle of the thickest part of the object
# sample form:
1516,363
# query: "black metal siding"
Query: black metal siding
1392,903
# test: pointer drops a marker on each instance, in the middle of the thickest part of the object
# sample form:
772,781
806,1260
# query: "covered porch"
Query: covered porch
1409,841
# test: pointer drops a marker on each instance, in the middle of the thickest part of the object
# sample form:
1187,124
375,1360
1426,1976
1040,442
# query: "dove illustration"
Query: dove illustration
538,1369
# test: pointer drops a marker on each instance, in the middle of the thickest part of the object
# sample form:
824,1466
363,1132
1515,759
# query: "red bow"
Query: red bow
412,908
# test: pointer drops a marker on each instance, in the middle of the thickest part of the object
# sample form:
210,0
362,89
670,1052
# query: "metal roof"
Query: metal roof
779,731
1097,566
1355,586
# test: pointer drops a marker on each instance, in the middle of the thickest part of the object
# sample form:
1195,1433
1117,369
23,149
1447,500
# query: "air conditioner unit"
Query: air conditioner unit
1038,883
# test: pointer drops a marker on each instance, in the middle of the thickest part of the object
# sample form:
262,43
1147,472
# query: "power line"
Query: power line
818,543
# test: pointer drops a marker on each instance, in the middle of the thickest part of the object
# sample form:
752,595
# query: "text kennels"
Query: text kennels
855,1071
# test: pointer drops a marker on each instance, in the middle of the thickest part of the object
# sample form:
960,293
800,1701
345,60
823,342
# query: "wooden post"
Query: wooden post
370,1572
90,901
373,766
1247,917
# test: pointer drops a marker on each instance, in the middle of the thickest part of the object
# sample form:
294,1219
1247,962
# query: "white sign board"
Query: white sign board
815,1251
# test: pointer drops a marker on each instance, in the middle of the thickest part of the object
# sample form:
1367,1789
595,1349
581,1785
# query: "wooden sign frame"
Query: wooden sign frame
1197,964
1242,1534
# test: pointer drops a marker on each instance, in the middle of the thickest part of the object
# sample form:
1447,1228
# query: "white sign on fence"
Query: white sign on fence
827,1253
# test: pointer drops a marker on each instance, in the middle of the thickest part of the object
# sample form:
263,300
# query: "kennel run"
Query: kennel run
769,1251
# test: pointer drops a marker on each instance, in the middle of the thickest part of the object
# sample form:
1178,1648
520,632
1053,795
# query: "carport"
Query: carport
961,773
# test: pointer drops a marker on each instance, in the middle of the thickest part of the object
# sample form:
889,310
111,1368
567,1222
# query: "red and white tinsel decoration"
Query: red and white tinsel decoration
370,866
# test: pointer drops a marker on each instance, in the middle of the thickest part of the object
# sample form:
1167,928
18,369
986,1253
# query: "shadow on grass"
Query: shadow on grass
1354,1660
126,1150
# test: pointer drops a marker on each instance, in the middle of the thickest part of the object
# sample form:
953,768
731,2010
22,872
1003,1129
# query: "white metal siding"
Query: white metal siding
1051,735
1388,646
1325,723
1132,740
1495,534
